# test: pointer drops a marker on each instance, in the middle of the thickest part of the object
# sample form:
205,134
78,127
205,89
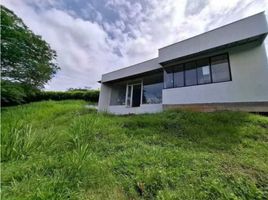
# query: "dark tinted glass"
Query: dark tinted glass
136,95
190,74
168,78
178,76
220,68
129,88
203,71
152,89
118,96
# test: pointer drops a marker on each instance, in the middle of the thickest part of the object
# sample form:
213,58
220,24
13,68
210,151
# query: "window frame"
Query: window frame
131,84
162,83
123,102
209,66
229,68
196,76
172,73
210,71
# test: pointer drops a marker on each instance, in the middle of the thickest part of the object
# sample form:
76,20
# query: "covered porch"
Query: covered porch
137,94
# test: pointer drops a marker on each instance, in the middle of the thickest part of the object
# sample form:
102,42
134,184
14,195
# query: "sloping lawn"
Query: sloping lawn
63,150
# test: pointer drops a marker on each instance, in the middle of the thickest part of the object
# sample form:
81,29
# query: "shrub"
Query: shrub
88,95
15,93
11,93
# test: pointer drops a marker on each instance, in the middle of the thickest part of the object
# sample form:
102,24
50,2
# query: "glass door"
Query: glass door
133,97
129,95
136,95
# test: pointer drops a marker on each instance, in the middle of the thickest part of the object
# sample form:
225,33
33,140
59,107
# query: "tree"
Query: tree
27,61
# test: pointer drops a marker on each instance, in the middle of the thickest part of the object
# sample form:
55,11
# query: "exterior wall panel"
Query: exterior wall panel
104,98
249,70
144,108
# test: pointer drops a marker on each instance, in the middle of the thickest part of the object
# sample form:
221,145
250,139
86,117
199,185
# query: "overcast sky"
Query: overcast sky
93,37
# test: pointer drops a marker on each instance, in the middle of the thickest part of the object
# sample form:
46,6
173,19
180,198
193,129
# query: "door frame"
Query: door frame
131,84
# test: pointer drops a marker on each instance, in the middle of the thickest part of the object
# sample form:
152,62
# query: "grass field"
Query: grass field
62,150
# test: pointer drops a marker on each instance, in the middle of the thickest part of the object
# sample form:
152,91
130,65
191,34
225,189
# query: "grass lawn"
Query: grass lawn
62,150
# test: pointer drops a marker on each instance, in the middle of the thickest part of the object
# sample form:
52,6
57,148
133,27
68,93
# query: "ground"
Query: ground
64,150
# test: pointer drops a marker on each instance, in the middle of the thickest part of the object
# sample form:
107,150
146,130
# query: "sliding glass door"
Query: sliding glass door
133,97
136,95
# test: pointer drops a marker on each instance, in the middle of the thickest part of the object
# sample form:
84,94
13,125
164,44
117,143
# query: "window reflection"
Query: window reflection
206,70
178,76
152,89
203,71
190,74
220,68
168,76
118,96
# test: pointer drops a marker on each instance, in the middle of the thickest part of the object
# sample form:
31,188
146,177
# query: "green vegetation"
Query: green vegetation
62,150
87,95
27,61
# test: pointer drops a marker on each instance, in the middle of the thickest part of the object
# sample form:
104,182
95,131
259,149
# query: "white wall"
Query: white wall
144,108
104,98
249,83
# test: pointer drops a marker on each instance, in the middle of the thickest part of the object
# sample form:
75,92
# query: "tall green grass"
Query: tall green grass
63,150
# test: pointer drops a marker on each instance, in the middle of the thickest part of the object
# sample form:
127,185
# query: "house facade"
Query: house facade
222,69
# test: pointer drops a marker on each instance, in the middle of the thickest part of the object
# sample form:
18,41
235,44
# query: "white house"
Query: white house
222,69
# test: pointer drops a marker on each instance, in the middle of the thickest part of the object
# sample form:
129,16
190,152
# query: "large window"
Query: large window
152,89
168,76
190,74
118,96
178,76
129,92
203,71
220,68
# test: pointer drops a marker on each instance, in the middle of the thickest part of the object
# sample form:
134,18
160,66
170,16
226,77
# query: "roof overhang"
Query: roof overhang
134,70
244,30
224,48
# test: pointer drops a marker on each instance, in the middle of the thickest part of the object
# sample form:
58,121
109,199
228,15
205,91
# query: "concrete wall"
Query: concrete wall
104,98
249,83
144,108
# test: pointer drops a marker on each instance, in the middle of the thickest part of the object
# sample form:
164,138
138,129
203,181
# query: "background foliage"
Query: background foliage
87,95
27,61
17,93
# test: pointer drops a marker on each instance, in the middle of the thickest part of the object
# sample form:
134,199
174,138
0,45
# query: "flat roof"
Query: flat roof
242,29
132,70
238,32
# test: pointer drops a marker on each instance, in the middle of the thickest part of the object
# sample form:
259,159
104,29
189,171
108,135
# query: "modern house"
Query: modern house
222,69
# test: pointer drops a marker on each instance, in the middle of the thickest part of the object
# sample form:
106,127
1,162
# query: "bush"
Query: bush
88,95
16,93
11,93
